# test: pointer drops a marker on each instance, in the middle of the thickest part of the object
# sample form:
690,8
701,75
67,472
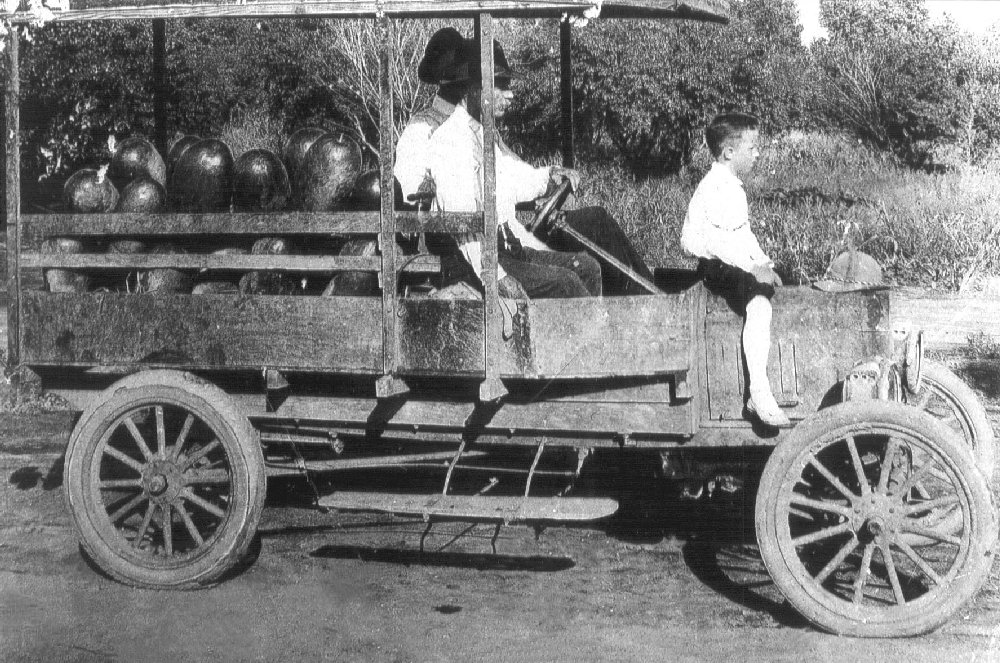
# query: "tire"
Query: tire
947,398
825,545
164,481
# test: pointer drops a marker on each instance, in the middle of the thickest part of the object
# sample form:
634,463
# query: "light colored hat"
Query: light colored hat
852,270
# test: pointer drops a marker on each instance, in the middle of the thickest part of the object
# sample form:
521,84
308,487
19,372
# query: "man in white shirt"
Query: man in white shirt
717,230
456,154
452,63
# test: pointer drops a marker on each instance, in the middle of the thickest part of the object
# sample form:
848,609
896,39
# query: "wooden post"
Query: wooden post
160,85
566,80
12,205
388,385
492,388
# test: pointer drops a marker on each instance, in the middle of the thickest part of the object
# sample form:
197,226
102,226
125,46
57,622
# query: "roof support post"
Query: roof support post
566,81
388,385
160,85
12,202
492,388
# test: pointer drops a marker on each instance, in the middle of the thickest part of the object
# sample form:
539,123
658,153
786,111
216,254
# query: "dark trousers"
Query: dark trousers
598,226
732,284
552,274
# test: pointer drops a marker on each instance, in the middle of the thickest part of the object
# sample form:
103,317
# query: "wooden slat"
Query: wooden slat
387,242
492,320
478,508
40,226
947,319
314,333
592,420
93,10
626,336
420,264
566,96
12,198
553,338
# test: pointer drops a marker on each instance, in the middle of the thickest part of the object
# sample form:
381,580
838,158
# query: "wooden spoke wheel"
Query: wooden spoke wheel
836,514
944,396
165,481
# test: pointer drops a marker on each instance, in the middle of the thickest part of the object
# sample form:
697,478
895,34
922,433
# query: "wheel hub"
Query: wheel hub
877,515
157,484
162,481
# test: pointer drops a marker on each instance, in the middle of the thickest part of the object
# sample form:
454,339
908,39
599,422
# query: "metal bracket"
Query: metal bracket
682,387
388,386
491,390
274,379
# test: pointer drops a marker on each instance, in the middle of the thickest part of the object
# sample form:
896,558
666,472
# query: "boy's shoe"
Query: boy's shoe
765,408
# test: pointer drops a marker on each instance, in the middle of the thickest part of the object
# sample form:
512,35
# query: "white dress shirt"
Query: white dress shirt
717,224
456,165
413,147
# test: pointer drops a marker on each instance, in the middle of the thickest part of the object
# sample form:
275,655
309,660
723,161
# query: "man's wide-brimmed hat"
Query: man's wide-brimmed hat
851,271
450,58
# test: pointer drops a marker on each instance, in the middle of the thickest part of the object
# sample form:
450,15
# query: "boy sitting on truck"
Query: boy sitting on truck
717,231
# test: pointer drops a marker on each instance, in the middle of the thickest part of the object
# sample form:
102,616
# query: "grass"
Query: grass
812,193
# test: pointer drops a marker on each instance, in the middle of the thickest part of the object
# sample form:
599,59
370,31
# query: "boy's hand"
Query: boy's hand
558,173
765,274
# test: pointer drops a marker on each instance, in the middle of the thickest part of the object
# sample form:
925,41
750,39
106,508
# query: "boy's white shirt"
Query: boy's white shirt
456,164
717,224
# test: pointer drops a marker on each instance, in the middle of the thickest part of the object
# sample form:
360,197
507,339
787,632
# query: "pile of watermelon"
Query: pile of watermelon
318,171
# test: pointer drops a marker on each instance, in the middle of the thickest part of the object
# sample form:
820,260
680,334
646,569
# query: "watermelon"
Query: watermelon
367,192
143,194
133,157
202,180
167,279
327,175
212,284
215,288
126,246
294,152
354,283
260,182
177,148
89,191
65,280
269,283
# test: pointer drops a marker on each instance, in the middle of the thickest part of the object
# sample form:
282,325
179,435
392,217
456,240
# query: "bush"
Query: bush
892,77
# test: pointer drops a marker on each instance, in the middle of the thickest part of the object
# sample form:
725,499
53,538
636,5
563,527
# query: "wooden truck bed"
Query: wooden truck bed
580,338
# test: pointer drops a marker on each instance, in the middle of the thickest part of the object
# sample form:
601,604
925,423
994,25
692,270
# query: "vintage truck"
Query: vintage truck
873,515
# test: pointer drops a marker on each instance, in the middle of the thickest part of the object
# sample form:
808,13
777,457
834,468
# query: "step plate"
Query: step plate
485,507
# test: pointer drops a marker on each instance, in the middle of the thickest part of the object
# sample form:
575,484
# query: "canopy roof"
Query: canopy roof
91,10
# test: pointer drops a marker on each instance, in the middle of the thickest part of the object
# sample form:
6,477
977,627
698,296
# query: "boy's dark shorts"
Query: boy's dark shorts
732,283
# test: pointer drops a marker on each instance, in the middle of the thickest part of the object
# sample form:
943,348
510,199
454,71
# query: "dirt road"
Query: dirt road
671,583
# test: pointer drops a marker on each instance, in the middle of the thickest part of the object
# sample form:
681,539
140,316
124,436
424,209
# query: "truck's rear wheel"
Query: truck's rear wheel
835,514
165,481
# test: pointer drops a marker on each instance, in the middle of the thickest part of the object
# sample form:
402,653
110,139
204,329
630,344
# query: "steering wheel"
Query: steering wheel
550,204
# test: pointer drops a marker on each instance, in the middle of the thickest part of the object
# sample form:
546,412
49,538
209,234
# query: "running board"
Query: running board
475,508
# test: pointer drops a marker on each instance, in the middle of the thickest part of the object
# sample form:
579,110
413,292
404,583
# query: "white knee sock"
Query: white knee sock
757,342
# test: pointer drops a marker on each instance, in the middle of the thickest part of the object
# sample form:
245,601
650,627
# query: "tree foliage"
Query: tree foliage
891,75
646,89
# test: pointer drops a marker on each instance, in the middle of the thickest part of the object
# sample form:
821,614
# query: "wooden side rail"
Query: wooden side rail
277,224
271,263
